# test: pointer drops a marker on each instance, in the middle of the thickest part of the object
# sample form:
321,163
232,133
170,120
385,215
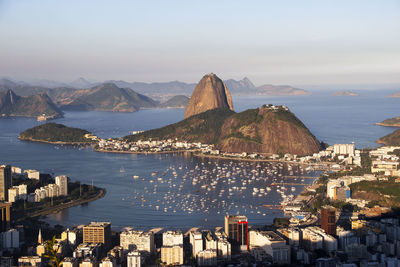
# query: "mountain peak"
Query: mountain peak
210,93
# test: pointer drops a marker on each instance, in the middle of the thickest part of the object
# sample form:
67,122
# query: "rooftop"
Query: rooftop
272,236
98,224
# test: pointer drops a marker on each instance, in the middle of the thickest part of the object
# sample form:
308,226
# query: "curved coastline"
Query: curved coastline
141,152
64,206
55,142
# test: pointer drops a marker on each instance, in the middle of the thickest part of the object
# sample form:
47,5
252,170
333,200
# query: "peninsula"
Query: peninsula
58,134
393,122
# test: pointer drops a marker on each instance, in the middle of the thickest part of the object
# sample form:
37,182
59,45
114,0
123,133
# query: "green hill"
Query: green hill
392,139
267,129
53,132
27,106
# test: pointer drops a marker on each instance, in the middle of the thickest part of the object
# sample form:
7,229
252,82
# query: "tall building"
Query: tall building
97,232
5,216
172,238
328,220
137,240
196,242
172,255
133,259
344,149
5,181
224,247
172,248
237,229
207,257
62,183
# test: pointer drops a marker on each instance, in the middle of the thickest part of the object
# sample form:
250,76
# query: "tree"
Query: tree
52,253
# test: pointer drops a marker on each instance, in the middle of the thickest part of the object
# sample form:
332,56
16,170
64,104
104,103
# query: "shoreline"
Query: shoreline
55,142
58,208
387,125
141,152
192,152
263,160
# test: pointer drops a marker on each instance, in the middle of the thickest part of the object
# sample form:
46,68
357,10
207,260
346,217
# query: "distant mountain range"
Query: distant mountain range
50,97
236,87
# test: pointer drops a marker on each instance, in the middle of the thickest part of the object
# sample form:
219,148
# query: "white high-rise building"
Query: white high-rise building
137,240
172,238
344,149
32,174
22,191
13,194
196,241
172,255
224,247
62,183
133,259
207,257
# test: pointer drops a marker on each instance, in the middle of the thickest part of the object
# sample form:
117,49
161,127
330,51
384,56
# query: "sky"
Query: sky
277,42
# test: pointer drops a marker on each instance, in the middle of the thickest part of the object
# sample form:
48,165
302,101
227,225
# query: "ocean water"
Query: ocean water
181,203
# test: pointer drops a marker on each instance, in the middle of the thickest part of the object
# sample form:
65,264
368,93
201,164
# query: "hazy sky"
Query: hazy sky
280,42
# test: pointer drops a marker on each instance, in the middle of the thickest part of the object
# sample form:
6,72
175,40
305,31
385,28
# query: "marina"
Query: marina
219,187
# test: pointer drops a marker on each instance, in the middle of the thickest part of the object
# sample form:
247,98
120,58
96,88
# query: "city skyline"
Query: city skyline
307,43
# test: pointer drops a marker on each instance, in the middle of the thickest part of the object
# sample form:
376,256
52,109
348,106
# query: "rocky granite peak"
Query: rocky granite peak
210,93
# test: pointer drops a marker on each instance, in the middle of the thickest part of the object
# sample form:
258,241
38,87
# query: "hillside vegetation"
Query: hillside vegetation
393,122
392,139
53,132
262,130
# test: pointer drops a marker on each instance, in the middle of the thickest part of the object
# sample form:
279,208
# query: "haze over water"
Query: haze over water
330,119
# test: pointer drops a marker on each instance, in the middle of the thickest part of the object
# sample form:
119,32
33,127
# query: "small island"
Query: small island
345,93
393,122
55,133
